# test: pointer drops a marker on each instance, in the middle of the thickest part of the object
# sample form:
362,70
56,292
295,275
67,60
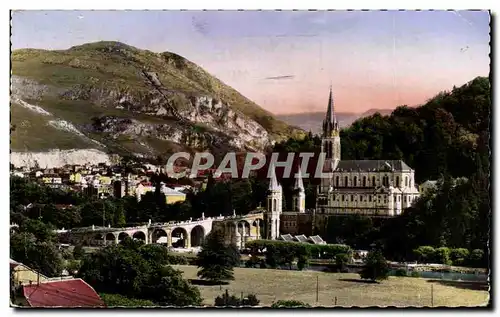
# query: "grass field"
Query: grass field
272,285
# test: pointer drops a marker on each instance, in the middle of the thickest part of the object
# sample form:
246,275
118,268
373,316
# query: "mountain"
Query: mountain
371,112
313,121
120,99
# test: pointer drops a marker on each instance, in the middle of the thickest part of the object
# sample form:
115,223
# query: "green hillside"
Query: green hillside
108,81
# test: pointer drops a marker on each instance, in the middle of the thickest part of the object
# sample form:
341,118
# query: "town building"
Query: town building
374,188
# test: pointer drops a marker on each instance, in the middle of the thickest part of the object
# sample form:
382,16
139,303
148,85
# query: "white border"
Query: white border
192,5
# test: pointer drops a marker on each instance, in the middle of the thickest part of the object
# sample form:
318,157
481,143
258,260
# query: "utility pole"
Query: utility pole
317,288
103,215
432,295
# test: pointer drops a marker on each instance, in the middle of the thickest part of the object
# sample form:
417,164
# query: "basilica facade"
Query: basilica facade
374,188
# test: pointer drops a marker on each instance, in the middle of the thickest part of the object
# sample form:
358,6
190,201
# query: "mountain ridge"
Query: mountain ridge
130,99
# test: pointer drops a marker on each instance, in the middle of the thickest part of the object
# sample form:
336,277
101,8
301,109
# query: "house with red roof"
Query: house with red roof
73,292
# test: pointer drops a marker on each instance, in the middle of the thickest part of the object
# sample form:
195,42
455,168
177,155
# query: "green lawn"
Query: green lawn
272,285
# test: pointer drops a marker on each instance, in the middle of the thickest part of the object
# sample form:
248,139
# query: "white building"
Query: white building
366,187
363,187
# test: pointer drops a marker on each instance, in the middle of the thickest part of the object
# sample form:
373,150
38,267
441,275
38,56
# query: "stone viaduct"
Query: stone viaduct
185,234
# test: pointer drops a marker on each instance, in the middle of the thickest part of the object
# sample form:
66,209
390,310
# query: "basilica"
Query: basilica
373,188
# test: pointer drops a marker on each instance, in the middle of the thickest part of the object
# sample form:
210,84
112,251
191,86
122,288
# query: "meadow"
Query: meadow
323,289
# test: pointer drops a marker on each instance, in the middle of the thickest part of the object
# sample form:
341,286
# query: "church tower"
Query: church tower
299,197
274,206
330,142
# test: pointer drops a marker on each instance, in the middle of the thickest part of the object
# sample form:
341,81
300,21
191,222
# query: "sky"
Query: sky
286,61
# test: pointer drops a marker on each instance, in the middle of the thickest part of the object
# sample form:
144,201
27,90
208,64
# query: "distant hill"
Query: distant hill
121,99
384,112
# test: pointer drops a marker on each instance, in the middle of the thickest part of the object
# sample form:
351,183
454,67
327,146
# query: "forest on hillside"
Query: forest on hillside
446,138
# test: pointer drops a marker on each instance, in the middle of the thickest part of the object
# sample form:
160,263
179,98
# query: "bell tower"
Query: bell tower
274,206
299,197
330,141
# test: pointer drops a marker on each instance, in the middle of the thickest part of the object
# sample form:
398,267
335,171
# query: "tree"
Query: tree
33,245
226,300
155,253
116,300
123,269
459,256
341,261
376,267
41,231
78,252
115,269
289,304
217,259
166,287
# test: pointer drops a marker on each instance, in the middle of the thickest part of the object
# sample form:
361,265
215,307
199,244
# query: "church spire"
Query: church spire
273,181
330,124
299,184
330,112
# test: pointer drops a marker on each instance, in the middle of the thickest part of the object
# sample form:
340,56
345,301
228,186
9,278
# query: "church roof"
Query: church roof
286,237
301,238
372,166
316,240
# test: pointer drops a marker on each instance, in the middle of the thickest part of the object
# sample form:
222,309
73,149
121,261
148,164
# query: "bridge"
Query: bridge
184,234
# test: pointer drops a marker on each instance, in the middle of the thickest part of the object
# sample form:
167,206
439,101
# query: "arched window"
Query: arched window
337,181
343,197
410,182
355,181
330,149
397,181
373,181
352,197
385,180
364,181
346,183
274,204
406,181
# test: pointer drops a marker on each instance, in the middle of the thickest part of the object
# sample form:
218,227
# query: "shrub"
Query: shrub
424,254
116,300
252,262
476,257
341,260
414,274
176,259
459,256
233,301
72,266
289,304
376,267
78,252
302,262
442,255
251,300
400,272
262,264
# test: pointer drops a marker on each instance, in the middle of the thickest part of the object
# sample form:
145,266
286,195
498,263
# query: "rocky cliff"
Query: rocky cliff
117,98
